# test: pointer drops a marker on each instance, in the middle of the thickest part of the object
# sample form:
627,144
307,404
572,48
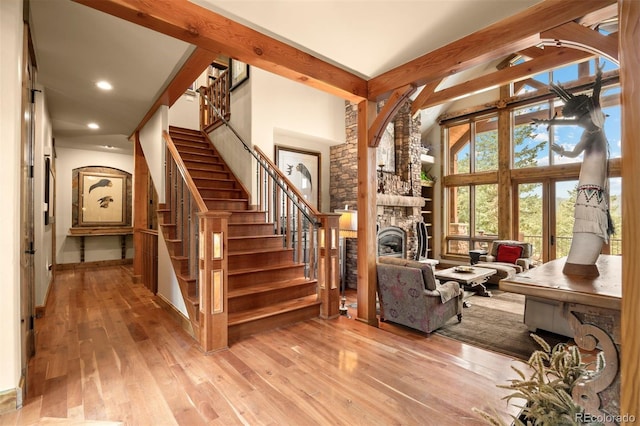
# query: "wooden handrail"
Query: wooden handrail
193,189
290,186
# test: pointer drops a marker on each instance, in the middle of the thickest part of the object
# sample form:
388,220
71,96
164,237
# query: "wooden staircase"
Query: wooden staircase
266,288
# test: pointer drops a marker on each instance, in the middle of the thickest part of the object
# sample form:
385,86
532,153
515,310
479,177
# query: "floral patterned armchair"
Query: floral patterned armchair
410,295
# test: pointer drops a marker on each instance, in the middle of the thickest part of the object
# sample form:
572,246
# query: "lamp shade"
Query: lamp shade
348,223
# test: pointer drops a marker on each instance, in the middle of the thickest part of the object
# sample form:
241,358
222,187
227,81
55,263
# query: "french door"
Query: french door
544,216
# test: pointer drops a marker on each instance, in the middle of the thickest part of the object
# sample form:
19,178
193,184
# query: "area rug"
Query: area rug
496,323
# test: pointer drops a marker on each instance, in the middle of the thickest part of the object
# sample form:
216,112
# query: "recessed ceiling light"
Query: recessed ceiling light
93,126
109,146
104,85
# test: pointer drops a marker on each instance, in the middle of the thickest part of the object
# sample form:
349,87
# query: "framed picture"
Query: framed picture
239,73
386,151
102,199
302,168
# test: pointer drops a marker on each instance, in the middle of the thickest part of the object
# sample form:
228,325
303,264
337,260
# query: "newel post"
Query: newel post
212,280
328,265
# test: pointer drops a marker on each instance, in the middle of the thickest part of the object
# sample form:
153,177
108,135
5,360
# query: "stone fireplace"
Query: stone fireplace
399,202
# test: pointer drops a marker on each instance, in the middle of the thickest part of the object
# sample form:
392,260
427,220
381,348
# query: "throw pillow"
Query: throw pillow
508,254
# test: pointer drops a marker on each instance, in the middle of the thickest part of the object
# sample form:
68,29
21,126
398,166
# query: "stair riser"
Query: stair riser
204,166
191,144
241,331
261,277
211,174
246,217
220,193
215,184
259,260
265,299
208,157
226,205
251,243
250,229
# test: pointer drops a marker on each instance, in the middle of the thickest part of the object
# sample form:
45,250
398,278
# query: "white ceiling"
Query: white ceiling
76,46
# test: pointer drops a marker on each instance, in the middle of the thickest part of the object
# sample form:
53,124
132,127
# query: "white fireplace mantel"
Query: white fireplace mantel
399,200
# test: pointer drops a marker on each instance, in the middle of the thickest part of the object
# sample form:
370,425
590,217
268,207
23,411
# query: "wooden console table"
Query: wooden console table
592,308
101,232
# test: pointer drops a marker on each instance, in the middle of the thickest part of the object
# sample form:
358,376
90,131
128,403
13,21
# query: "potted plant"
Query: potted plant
547,391
426,179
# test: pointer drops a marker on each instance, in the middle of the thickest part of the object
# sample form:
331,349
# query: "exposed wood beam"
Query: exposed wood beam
553,59
593,18
512,34
532,52
387,113
424,94
580,37
193,24
367,278
192,68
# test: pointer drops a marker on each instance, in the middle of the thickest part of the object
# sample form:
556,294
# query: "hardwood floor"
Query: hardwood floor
108,354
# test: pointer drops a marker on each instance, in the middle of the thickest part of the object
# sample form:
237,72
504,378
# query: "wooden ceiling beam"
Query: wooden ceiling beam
581,37
426,92
387,113
555,58
593,18
512,34
196,25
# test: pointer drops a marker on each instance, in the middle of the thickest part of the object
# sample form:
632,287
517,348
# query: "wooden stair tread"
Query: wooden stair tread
237,318
261,288
259,251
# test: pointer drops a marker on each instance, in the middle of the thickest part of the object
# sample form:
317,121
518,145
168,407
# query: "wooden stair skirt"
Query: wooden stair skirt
266,288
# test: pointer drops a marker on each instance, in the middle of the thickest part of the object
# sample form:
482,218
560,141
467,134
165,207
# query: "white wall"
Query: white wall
96,248
186,112
270,110
10,118
288,113
43,233
153,147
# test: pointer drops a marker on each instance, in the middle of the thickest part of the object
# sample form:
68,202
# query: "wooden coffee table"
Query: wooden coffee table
474,278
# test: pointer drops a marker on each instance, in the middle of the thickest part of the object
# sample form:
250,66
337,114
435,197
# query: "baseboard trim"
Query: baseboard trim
178,316
95,264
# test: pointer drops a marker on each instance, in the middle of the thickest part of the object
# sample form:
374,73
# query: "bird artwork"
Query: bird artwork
304,181
101,183
104,201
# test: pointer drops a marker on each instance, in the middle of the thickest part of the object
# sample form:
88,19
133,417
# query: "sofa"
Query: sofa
410,295
507,258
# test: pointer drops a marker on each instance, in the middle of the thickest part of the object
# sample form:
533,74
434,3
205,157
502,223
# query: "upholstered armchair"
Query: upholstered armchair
410,295
507,257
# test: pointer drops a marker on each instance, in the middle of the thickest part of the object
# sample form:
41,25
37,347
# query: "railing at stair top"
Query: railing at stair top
218,94
293,217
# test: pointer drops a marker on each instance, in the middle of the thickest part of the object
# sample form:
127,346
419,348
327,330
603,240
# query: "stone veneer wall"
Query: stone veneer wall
404,183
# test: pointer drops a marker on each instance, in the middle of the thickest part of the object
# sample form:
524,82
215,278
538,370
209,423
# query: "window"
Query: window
541,184
473,145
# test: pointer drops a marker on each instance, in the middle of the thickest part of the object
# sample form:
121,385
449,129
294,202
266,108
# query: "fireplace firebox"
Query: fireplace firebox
392,242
